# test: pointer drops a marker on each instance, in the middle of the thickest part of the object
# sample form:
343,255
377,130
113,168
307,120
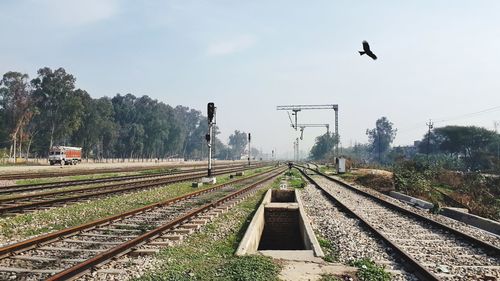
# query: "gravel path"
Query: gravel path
351,240
448,256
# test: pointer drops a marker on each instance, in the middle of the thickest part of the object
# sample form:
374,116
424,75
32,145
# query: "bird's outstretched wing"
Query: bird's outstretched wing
366,47
371,55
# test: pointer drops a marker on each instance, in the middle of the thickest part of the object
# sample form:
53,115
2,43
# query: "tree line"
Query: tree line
466,148
36,114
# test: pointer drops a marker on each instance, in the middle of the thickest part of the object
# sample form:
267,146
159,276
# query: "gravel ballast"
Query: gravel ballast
351,240
446,255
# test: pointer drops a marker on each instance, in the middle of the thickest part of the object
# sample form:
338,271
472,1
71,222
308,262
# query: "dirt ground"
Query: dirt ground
372,171
379,180
92,166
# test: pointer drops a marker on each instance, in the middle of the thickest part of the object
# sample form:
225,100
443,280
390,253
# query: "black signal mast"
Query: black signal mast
211,111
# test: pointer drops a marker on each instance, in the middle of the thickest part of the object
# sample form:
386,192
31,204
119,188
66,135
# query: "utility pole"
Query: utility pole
294,150
496,124
378,144
430,125
249,151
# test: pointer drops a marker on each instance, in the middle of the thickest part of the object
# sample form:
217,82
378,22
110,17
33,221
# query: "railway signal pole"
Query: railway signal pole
211,122
249,151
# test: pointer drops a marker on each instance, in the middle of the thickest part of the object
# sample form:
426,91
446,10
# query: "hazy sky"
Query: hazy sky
437,59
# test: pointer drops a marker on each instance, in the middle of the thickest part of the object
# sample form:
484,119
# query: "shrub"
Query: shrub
369,271
412,178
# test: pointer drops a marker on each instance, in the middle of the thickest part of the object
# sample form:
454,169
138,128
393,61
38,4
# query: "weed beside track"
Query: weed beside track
208,255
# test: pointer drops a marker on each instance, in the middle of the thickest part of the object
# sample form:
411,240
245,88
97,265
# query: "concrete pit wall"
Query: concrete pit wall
281,228
280,225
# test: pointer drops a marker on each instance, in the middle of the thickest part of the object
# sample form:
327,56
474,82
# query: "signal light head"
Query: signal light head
210,112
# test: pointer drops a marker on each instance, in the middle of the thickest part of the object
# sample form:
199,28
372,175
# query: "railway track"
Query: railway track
430,249
69,253
36,201
45,174
22,188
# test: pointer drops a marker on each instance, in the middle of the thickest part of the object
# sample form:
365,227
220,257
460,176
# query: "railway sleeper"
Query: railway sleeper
172,235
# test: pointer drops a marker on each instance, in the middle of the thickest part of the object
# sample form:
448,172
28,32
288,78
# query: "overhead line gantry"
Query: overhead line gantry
303,126
299,107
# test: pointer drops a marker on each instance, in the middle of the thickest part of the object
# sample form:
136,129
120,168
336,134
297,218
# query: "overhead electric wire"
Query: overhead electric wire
441,120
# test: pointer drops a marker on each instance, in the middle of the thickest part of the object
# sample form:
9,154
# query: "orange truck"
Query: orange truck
65,155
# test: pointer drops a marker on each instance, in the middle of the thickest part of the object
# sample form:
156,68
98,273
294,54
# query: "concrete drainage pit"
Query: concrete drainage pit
281,223
283,196
280,229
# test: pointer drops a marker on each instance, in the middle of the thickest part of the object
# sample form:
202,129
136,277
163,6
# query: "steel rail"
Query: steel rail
49,185
414,265
121,249
15,176
27,244
490,248
145,180
129,187
45,174
125,247
419,270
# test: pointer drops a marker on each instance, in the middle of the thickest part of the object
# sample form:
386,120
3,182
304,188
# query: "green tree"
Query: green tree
380,138
123,126
95,135
130,131
475,145
60,106
323,147
238,141
187,121
16,103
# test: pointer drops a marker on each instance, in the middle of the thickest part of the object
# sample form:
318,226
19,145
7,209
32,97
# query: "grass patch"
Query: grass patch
159,170
349,177
369,271
70,178
329,277
208,255
29,224
276,183
331,255
295,179
96,176
326,169
297,182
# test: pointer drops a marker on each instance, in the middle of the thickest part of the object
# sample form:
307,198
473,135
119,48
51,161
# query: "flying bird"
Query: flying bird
367,51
